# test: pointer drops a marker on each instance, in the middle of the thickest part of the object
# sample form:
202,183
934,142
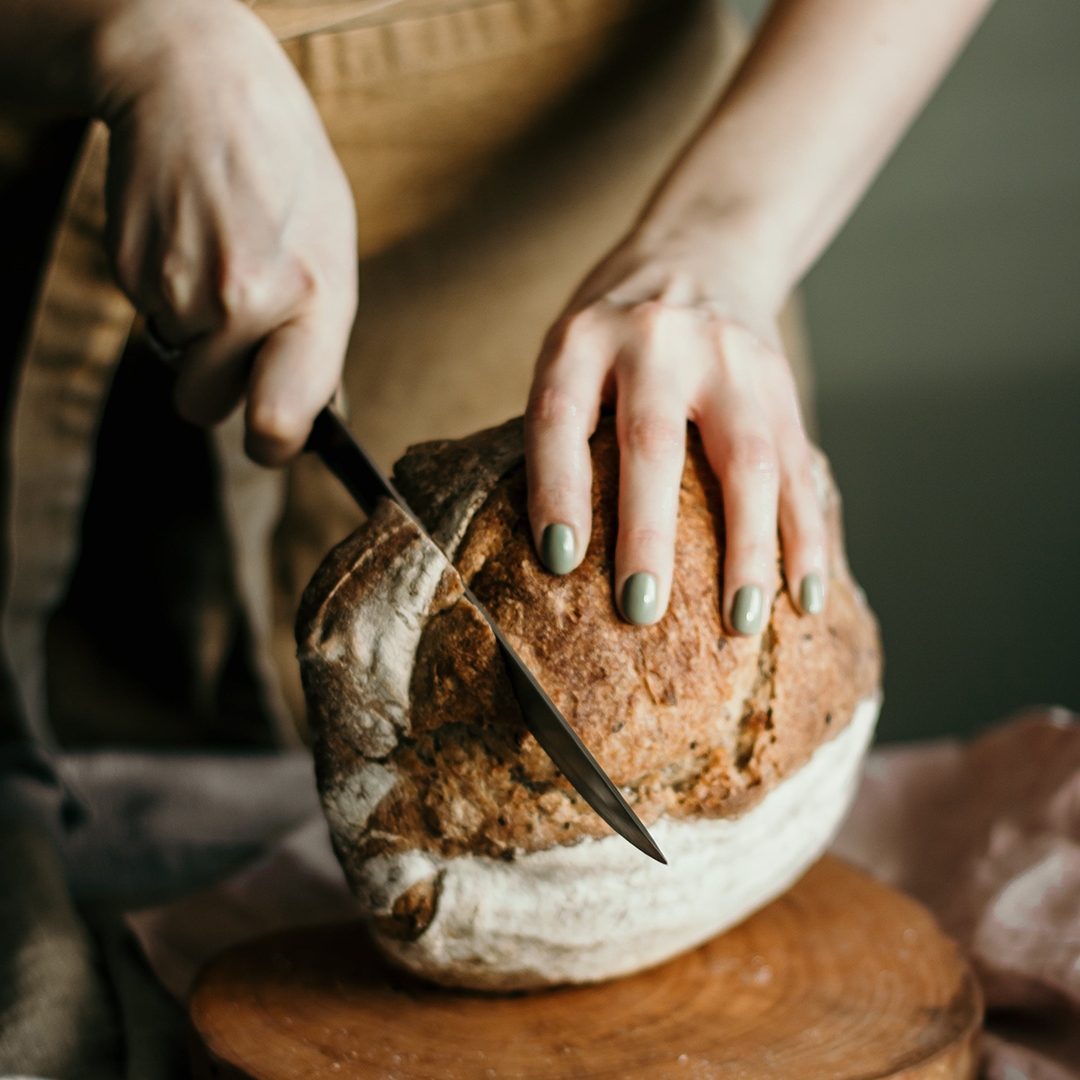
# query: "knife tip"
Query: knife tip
641,839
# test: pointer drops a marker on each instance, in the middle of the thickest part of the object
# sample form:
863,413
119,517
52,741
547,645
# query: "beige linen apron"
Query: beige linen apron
496,149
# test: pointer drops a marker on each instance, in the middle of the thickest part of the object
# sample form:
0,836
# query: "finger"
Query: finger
651,422
740,447
259,306
802,528
213,373
295,373
211,377
563,408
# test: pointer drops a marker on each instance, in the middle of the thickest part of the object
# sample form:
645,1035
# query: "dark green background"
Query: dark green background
945,323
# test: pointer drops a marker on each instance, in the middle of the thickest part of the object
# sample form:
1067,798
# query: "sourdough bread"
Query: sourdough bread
479,864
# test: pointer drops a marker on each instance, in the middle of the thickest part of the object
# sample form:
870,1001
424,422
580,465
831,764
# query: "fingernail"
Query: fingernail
639,597
558,548
748,610
812,594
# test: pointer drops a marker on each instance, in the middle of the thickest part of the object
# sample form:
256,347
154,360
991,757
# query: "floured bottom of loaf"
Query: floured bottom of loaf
601,909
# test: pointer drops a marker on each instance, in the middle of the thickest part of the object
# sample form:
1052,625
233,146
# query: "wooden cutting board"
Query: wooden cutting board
842,978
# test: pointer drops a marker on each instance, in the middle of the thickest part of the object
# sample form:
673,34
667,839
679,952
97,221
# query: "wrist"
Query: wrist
730,246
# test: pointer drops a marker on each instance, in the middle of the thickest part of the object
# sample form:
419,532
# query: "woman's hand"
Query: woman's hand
231,223
679,322
660,334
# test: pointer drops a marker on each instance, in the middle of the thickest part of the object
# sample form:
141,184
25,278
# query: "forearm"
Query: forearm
822,98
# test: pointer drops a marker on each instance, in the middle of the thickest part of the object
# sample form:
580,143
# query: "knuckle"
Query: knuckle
179,283
552,494
648,314
753,453
583,325
551,407
572,331
257,291
644,538
747,552
239,289
305,281
653,437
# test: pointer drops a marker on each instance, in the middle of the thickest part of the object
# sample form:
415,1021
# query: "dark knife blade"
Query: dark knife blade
332,440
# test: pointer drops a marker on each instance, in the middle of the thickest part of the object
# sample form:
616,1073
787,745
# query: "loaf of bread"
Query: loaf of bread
477,862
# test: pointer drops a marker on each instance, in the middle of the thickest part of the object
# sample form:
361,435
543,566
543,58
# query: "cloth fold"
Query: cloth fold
57,1017
78,999
987,835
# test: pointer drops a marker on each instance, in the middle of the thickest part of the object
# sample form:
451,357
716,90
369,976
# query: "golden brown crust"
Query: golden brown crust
689,722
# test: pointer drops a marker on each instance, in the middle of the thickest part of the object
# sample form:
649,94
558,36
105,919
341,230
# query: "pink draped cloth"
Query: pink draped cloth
986,834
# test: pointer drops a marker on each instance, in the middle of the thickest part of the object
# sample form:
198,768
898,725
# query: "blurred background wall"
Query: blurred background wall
945,324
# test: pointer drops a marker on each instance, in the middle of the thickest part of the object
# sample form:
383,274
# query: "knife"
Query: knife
332,440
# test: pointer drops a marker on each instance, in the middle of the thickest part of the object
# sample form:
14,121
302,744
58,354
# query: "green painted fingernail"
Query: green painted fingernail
558,549
639,597
812,594
748,610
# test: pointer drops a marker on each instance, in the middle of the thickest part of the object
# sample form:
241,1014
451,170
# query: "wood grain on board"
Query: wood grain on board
840,978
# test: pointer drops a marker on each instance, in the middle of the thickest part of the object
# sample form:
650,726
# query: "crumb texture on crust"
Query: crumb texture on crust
599,910
420,746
